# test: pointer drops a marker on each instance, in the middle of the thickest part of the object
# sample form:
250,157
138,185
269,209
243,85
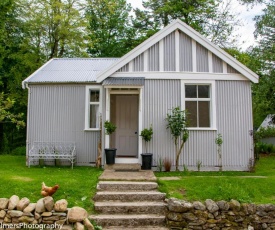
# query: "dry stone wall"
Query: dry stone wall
219,215
18,213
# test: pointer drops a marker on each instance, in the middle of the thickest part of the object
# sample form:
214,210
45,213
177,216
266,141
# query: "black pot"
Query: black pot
146,161
110,156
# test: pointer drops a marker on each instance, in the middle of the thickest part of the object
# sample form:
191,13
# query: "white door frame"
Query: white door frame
124,90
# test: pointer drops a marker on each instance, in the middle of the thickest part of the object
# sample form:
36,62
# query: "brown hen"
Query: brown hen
48,191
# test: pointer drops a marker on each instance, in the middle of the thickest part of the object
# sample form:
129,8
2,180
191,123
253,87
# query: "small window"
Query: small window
93,108
198,104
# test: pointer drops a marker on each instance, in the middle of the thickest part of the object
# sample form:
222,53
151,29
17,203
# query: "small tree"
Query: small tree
177,123
146,135
219,142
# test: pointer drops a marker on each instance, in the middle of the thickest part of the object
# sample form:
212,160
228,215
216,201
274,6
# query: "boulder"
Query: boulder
77,214
79,226
47,214
175,205
211,205
22,204
223,205
15,213
30,207
61,205
235,205
13,201
199,205
4,203
26,219
2,214
48,203
39,208
88,224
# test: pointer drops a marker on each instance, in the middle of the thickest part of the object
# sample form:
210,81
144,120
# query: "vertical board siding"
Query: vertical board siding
185,60
169,52
124,68
57,114
230,69
202,58
217,64
153,58
234,122
138,65
159,96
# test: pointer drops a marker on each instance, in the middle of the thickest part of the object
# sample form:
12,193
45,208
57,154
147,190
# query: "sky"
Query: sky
246,14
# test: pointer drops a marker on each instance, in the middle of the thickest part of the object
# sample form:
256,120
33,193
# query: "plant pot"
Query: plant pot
146,161
110,155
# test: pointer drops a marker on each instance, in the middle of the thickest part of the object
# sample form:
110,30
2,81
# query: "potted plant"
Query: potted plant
110,153
146,135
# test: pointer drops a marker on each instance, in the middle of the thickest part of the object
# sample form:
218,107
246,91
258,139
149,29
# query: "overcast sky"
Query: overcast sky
246,14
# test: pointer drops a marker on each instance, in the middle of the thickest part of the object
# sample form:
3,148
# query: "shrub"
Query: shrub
264,148
167,164
264,132
19,151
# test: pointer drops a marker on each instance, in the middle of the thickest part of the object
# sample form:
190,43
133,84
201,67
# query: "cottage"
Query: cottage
177,66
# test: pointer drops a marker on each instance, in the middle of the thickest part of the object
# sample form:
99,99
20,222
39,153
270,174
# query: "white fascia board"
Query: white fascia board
183,76
39,69
137,51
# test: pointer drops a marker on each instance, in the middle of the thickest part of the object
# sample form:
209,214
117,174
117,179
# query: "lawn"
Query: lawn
258,187
78,186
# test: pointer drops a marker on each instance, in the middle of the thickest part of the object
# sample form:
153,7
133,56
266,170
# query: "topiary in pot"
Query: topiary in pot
147,135
110,153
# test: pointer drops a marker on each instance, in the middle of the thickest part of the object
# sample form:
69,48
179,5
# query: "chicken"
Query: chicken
48,191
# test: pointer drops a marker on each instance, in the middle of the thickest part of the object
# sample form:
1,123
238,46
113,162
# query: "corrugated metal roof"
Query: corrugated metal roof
132,81
70,70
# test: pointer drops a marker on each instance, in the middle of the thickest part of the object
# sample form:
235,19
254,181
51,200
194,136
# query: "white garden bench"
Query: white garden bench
52,150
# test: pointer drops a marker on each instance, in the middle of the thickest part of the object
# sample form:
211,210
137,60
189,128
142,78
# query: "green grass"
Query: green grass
224,185
78,186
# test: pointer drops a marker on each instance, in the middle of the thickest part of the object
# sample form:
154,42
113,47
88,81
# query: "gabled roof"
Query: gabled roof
64,70
178,24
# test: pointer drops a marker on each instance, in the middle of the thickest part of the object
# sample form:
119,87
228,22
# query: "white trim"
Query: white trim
178,24
87,105
194,56
224,67
161,55
210,62
145,59
213,112
131,65
182,76
122,160
122,86
177,50
25,82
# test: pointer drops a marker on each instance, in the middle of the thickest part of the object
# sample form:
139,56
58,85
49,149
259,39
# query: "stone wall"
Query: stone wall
45,213
219,215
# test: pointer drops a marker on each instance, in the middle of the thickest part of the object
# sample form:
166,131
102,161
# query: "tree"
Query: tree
177,123
109,28
264,92
212,18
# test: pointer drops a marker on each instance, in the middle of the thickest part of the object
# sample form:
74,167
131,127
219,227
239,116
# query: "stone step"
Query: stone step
129,196
129,220
123,167
126,186
130,207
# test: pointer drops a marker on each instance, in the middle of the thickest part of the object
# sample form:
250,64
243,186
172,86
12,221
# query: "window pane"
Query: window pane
203,91
204,114
94,95
191,107
94,116
190,91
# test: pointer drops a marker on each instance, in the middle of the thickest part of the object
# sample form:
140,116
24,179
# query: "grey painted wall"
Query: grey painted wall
57,113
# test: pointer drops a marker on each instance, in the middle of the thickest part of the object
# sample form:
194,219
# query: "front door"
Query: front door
124,114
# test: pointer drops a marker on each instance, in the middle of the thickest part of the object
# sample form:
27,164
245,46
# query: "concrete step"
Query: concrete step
130,207
129,196
123,167
126,186
129,220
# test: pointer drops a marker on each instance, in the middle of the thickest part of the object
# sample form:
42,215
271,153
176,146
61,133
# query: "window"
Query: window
199,104
93,108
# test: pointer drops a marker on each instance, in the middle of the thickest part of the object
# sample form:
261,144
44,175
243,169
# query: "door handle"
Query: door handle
135,132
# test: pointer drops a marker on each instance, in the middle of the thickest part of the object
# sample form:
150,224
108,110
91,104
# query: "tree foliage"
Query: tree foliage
177,123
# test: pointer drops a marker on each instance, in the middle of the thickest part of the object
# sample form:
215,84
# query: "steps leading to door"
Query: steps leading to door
129,205
123,167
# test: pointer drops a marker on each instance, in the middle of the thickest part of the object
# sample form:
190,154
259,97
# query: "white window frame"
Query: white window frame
213,118
88,103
